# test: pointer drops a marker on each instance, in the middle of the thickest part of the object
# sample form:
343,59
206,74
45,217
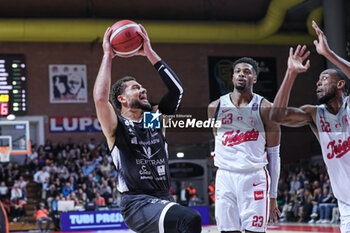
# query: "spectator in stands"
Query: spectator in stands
88,167
9,182
286,205
23,185
113,172
81,179
19,210
315,202
72,181
105,167
31,156
195,200
55,214
294,184
42,215
89,181
3,191
51,195
52,169
75,149
321,180
84,199
16,193
40,176
315,185
86,190
305,206
67,190
282,185
33,166
297,202
100,201
106,191
85,151
92,144
96,177
58,185
45,188
15,171
184,195
211,191
326,205
191,190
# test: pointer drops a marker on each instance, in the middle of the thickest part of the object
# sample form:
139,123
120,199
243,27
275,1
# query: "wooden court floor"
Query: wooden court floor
278,228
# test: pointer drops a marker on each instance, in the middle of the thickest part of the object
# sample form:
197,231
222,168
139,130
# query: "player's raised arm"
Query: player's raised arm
171,100
105,111
323,49
280,113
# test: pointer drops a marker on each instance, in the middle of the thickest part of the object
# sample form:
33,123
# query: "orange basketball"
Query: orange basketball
124,39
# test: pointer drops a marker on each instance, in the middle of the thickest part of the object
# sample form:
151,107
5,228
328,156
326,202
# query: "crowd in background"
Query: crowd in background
305,195
85,174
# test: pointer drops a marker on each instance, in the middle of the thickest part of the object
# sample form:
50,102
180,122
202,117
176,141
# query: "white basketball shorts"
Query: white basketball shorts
242,200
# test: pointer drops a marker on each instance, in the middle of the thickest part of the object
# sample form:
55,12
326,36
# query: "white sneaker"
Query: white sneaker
313,215
312,221
319,221
325,221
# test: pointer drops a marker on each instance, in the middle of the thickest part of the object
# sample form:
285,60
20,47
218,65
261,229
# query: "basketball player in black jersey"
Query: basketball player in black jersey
140,155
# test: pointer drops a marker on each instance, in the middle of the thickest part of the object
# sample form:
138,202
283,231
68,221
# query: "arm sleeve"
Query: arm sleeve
274,167
171,100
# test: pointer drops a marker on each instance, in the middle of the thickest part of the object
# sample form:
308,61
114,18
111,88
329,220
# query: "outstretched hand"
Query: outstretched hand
296,59
146,47
322,47
106,45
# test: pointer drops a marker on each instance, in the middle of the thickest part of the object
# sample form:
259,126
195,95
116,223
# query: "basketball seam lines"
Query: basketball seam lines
125,40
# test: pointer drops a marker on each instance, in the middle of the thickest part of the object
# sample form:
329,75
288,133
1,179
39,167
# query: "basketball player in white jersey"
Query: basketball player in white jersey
329,121
245,196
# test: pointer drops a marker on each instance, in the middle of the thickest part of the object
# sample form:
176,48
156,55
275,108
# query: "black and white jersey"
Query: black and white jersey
141,158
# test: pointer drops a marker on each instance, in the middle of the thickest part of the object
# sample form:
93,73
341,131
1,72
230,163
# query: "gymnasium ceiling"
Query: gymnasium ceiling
241,13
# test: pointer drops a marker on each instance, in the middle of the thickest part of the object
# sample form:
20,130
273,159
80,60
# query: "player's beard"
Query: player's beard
240,87
327,97
143,106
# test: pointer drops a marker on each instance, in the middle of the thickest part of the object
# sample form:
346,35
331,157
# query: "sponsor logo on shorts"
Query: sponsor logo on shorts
258,195
257,184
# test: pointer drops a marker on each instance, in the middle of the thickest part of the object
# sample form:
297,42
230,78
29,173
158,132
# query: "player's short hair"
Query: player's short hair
118,89
248,60
340,74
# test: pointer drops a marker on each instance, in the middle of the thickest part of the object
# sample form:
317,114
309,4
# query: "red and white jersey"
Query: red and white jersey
334,136
240,141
